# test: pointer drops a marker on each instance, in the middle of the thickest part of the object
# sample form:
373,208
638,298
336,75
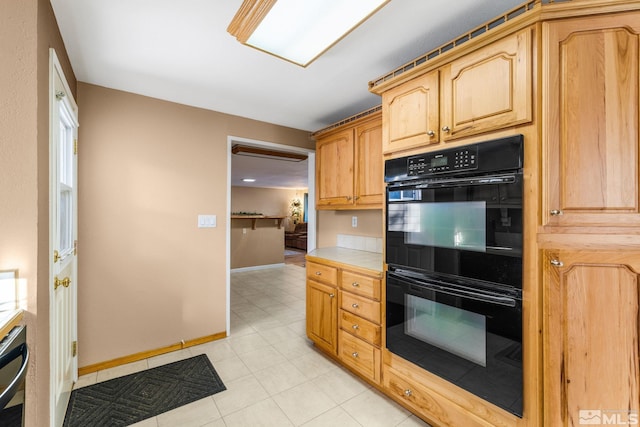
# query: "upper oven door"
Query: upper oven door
462,227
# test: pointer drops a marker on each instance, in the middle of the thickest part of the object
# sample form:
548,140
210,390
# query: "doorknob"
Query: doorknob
64,282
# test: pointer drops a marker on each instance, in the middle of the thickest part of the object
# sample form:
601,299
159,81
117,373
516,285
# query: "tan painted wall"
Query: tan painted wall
332,223
27,29
147,168
265,244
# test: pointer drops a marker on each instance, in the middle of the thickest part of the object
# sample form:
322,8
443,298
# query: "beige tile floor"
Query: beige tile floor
273,374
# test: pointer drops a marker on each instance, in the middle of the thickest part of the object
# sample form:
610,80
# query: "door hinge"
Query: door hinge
56,256
75,146
74,348
75,247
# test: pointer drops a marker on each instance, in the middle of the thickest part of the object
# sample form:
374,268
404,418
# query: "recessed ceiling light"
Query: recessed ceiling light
248,180
299,31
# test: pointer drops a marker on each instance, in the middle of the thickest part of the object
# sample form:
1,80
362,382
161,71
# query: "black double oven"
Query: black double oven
454,228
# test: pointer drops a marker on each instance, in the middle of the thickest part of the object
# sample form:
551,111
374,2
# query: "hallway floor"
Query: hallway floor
273,374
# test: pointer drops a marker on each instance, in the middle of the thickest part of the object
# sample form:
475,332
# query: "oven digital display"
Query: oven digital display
439,161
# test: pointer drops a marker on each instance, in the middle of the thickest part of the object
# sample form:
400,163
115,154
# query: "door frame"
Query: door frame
311,211
55,69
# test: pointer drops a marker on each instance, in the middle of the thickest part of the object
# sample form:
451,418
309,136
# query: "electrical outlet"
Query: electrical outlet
354,221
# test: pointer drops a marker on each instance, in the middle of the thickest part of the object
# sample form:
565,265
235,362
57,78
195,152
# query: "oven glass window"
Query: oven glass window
457,331
457,225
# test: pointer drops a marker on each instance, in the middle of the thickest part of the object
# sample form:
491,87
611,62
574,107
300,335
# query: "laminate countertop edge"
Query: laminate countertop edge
371,261
9,319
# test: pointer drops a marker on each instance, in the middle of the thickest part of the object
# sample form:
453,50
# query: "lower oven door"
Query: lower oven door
470,337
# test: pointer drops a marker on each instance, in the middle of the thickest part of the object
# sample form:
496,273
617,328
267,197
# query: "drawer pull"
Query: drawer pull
355,354
354,305
355,284
407,392
356,327
332,295
318,273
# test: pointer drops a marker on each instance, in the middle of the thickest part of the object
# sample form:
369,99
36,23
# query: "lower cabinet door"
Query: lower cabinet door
435,408
322,315
592,370
359,355
360,327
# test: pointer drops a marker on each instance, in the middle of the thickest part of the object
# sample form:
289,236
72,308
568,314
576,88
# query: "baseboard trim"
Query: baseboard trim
149,353
256,267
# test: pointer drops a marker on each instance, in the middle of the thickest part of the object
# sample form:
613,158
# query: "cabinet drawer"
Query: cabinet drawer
361,306
429,404
322,273
359,327
359,355
362,285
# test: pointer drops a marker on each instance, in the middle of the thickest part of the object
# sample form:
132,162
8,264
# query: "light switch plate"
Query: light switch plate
207,221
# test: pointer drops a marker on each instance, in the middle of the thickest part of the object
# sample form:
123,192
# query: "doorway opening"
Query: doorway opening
272,179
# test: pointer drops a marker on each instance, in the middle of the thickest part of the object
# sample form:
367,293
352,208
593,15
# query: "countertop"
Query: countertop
363,259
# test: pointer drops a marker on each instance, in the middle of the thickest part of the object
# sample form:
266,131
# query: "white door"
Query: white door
63,184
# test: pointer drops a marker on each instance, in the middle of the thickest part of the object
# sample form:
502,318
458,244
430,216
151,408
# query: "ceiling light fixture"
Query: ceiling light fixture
243,150
248,180
299,31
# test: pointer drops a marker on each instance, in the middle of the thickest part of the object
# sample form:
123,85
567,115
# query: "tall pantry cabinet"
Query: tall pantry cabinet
590,218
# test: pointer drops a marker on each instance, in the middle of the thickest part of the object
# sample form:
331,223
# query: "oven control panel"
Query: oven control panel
454,160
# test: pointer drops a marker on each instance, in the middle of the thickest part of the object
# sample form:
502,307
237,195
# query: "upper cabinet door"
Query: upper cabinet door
590,121
488,89
369,176
410,116
334,169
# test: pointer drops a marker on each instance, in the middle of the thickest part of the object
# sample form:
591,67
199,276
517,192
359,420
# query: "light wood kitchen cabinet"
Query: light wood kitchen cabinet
590,115
354,322
410,392
488,89
411,114
591,336
322,306
349,165
360,323
485,90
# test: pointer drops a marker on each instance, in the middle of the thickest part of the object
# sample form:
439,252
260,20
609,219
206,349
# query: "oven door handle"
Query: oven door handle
459,182
7,358
476,296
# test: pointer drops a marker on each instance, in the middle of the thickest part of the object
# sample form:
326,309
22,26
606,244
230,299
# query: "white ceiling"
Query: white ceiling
180,51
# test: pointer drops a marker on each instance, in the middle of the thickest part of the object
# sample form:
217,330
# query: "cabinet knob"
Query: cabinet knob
354,354
356,327
556,263
332,295
318,273
446,129
431,133
356,197
348,197
355,284
407,393
354,305
555,212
